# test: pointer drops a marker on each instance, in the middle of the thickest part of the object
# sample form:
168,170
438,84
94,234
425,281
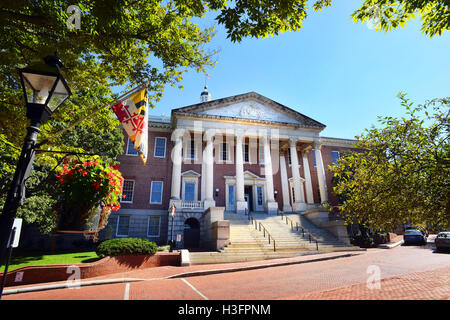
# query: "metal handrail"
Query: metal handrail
310,236
250,217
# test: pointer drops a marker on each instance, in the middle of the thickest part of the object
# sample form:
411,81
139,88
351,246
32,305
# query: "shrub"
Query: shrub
124,246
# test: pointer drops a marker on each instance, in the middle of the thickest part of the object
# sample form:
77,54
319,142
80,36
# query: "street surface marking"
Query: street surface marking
126,295
195,289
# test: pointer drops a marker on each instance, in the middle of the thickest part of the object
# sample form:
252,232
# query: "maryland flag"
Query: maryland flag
132,114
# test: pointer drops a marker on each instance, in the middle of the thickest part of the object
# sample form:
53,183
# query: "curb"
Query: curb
261,266
390,246
75,285
69,285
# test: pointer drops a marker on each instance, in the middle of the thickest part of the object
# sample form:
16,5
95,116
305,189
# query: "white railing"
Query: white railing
191,204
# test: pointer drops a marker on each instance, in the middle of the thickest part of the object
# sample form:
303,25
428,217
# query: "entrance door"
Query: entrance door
191,234
248,195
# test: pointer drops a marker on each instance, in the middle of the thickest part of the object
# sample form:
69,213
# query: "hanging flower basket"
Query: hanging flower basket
89,190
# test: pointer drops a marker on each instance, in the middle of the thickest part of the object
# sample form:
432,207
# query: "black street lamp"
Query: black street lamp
45,89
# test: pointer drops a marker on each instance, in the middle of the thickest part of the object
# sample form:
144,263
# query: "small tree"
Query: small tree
401,174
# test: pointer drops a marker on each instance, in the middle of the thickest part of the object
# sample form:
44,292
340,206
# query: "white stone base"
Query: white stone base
185,258
272,207
300,206
241,207
208,204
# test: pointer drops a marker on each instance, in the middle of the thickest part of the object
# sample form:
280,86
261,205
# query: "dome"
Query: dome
205,95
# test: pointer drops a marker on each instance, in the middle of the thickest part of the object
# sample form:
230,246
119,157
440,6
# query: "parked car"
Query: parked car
414,236
442,241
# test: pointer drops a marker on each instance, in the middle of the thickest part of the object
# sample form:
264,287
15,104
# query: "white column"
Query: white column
272,206
321,174
203,179
284,185
177,160
209,164
241,204
308,183
299,197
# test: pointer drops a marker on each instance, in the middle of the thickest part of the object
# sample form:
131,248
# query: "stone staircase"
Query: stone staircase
288,235
246,244
249,244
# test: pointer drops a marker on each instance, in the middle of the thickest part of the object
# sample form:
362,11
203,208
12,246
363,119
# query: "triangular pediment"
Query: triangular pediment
190,173
249,106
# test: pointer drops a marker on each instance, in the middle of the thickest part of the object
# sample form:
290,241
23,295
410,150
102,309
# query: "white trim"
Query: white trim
165,147
151,188
117,225
130,154
187,150
248,153
132,192
228,160
189,179
159,226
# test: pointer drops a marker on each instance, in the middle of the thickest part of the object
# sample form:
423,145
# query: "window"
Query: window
259,196
224,151
314,157
293,194
153,226
123,225
261,154
191,154
335,155
127,191
231,195
160,147
289,157
131,151
189,191
246,153
156,192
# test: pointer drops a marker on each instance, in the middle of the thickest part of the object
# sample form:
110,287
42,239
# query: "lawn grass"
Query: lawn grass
39,258
20,260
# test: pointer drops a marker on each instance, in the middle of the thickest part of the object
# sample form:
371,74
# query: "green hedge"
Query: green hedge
124,246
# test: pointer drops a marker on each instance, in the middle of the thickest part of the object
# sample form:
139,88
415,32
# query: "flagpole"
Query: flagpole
120,98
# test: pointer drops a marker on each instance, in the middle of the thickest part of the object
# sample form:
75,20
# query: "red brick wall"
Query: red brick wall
160,169
157,169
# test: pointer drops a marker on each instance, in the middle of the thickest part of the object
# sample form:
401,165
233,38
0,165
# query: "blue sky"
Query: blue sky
334,71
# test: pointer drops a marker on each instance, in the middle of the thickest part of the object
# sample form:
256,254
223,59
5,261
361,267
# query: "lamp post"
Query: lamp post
172,213
45,89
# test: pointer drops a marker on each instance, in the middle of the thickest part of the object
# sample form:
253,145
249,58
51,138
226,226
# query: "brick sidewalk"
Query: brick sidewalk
429,285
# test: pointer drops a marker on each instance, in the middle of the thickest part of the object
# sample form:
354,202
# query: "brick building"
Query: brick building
237,152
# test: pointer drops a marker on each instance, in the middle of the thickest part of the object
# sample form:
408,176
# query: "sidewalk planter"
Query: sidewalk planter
51,273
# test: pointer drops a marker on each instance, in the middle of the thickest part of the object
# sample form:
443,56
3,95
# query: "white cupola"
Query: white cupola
205,95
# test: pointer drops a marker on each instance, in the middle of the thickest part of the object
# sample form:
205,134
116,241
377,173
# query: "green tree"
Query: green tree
402,171
119,42
392,14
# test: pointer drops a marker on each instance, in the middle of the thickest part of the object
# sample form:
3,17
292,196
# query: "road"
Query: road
405,272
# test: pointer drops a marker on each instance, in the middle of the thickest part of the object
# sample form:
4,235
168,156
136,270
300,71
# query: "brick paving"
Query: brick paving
407,272
430,285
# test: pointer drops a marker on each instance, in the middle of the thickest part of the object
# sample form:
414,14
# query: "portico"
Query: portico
246,150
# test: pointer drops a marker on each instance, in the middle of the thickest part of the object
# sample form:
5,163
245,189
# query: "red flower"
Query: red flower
124,196
116,167
96,185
